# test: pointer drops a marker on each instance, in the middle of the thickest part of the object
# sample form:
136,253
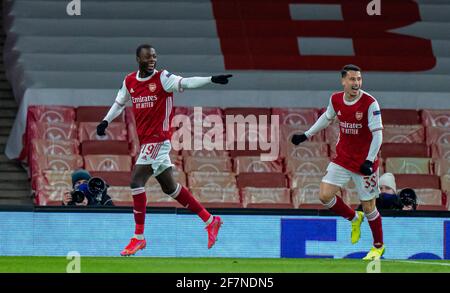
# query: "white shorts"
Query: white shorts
367,186
157,155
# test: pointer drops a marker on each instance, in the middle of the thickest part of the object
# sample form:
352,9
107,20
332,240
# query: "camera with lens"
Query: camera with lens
92,189
408,198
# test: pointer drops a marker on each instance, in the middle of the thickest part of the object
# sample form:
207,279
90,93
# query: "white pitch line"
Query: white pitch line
419,262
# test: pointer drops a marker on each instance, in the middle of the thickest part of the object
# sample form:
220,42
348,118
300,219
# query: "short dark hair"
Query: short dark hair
143,46
349,67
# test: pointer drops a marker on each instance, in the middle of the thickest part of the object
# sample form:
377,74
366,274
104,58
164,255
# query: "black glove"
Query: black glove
366,168
222,79
102,127
298,138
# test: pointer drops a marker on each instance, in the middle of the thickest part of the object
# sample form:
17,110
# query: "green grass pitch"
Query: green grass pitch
213,265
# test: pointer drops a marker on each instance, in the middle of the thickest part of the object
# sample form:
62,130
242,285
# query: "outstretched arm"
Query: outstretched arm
321,123
175,83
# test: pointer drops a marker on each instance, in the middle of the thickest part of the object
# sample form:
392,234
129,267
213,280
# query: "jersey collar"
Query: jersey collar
147,78
361,92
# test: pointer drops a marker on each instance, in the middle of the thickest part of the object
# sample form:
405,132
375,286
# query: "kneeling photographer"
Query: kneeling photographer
389,199
87,191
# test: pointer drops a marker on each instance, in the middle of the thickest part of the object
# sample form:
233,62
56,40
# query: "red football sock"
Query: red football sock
186,199
339,207
139,207
376,226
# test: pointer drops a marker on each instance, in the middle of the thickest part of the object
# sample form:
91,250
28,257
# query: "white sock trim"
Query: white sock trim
331,203
139,236
176,192
356,217
373,215
211,218
135,191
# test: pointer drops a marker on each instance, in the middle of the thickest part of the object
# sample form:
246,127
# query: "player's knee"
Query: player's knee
325,197
169,189
368,208
135,185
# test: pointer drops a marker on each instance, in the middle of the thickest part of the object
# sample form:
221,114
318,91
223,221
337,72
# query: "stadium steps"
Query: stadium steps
15,188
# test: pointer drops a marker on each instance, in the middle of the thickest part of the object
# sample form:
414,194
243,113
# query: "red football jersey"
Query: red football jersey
152,99
357,120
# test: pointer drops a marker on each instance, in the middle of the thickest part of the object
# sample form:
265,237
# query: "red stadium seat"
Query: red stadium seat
400,116
436,118
307,166
179,176
402,165
108,163
303,181
121,195
50,114
205,111
53,179
111,147
404,150
442,167
246,153
255,165
114,178
296,116
49,196
205,153
262,180
307,197
53,131
432,208
96,114
305,191
438,135
55,162
115,131
445,182
404,134
440,151
157,198
44,114
429,196
287,131
211,197
257,112
417,181
305,150
55,147
207,164
214,179
266,197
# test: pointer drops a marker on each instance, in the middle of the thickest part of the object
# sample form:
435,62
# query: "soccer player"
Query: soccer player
360,138
151,92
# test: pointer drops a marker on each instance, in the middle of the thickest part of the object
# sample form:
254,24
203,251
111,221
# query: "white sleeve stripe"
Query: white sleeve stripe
180,88
121,105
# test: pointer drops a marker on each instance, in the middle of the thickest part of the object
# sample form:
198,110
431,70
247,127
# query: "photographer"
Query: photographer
87,191
389,199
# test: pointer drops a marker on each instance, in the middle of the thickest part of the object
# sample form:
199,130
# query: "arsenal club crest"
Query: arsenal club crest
152,87
359,115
